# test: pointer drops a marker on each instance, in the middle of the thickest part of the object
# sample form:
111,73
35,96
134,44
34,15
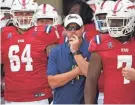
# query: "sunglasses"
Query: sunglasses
72,28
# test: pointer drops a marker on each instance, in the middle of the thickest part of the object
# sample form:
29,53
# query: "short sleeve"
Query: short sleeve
52,67
100,43
94,43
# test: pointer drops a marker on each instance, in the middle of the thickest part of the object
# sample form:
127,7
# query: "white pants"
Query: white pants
101,98
2,101
41,102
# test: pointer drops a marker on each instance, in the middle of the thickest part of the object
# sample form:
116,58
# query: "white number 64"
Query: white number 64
15,61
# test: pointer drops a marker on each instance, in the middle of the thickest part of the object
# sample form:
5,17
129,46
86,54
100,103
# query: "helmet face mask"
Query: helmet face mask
121,22
120,26
23,15
100,21
23,20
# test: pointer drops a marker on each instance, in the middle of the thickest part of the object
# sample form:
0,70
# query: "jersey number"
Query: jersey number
15,61
124,59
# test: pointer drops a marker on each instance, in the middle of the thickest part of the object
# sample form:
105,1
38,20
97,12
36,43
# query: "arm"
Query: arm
82,63
94,70
56,79
62,79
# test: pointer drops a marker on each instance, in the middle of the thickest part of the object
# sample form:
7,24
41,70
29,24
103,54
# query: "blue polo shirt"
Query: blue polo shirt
62,61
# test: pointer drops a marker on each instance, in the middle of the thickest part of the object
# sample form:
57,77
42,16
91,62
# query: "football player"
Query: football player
47,14
24,56
101,26
114,53
5,18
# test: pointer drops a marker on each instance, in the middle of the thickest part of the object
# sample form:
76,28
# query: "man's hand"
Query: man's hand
75,43
78,71
129,73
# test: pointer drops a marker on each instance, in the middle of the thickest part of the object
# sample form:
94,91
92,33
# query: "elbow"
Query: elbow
52,85
52,82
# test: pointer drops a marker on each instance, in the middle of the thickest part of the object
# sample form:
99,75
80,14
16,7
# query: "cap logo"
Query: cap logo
71,17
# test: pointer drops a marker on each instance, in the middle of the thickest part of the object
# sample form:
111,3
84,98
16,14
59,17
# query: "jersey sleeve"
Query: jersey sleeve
1,48
53,36
52,68
5,35
60,31
47,34
3,39
99,43
94,43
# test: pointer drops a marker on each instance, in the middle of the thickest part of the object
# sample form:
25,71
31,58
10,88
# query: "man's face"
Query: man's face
116,22
73,29
24,17
45,21
101,16
101,19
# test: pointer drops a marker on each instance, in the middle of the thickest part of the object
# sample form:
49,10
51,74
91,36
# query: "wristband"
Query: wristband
76,53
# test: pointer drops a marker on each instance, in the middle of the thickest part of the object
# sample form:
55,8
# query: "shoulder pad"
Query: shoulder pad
99,43
44,28
8,29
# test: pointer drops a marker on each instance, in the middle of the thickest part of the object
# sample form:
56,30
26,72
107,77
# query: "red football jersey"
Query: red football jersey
115,56
90,31
25,63
60,30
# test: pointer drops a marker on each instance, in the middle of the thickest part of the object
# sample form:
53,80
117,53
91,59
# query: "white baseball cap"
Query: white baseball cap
73,18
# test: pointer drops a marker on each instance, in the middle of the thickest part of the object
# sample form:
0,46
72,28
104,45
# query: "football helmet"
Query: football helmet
5,6
47,11
133,1
23,21
121,19
100,15
94,4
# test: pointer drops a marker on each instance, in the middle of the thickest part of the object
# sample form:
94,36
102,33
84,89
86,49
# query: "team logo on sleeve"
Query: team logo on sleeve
9,35
110,45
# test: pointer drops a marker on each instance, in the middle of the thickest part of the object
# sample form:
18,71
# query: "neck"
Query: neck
21,31
123,39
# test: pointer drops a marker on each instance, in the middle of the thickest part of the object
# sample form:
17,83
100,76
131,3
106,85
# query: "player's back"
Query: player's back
90,31
25,62
115,56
